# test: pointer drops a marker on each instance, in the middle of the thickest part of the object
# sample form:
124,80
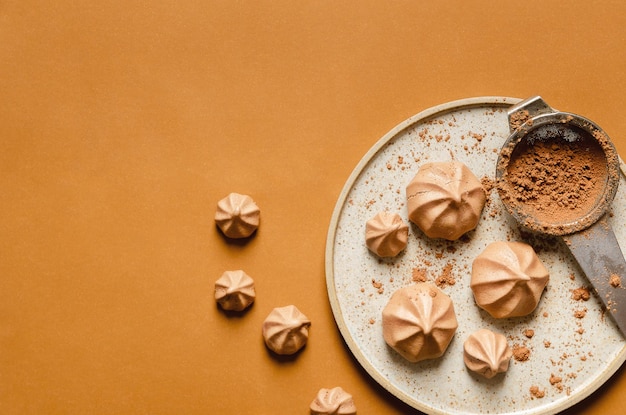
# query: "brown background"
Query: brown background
122,123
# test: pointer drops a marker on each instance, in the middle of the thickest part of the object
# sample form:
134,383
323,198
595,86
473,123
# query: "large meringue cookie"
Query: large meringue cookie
234,290
487,353
386,234
508,279
286,330
237,216
419,322
333,401
445,199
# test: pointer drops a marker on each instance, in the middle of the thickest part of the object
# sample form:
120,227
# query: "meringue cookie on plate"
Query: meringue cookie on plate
487,353
419,322
386,234
445,199
508,279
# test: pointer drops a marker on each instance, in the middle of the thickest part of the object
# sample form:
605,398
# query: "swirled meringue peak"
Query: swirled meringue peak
286,330
333,401
237,216
508,279
419,322
386,234
445,199
487,353
234,290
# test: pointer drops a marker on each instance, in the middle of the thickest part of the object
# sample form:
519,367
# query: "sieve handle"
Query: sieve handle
598,253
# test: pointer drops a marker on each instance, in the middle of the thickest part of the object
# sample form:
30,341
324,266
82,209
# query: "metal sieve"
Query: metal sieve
588,234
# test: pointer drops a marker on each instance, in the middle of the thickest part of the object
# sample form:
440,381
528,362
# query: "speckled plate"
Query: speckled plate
574,347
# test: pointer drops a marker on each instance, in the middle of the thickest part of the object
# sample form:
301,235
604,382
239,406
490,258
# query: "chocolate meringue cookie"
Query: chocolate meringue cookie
333,401
286,330
419,322
487,353
508,279
386,234
234,290
237,216
445,199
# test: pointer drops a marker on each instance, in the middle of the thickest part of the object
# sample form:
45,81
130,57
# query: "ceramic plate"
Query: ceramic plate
574,347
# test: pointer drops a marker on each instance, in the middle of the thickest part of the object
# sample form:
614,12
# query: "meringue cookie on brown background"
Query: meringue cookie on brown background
333,401
234,290
237,216
286,330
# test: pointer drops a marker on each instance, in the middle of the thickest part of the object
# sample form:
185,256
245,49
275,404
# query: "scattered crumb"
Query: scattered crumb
419,274
556,381
581,293
615,280
529,333
446,277
580,313
378,285
518,118
535,392
547,344
521,353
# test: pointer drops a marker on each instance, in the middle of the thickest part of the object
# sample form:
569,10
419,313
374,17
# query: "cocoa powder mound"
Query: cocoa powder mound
536,392
419,274
521,353
446,277
556,172
581,293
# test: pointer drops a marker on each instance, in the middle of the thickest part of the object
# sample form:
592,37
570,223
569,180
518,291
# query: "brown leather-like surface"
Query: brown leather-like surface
123,123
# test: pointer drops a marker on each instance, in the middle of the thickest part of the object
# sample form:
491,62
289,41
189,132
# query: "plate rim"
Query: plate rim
456,105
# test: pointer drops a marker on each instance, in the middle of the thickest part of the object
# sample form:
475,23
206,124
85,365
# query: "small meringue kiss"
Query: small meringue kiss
234,290
237,216
386,234
333,401
487,353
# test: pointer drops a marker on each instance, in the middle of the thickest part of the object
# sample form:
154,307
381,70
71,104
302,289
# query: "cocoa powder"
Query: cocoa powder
555,174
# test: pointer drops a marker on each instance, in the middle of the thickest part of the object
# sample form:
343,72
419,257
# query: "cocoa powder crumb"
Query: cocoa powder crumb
446,277
615,280
580,313
488,184
518,118
419,274
378,285
529,333
555,379
535,392
581,293
521,353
